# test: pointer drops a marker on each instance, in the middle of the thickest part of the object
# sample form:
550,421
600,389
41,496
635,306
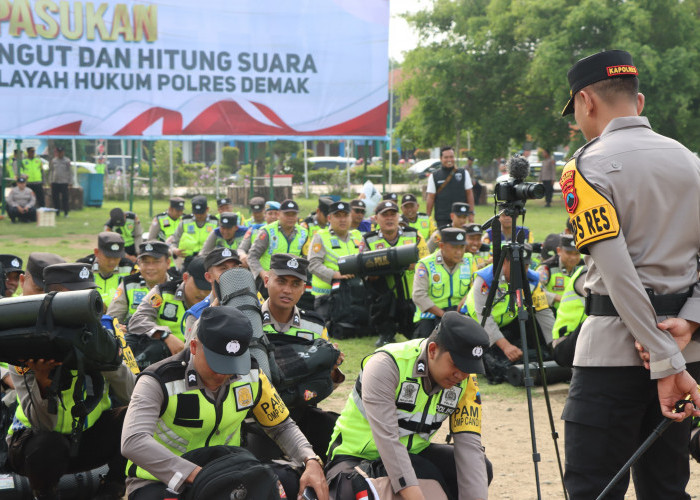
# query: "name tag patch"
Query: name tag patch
448,400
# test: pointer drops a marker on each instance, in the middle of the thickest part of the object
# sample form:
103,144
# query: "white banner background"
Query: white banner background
304,68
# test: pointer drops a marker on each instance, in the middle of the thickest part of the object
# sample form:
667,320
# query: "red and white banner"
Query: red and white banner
187,69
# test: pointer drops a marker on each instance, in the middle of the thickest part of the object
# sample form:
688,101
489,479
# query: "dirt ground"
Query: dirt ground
506,436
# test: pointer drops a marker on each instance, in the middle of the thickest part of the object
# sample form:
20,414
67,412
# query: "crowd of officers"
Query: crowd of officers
159,288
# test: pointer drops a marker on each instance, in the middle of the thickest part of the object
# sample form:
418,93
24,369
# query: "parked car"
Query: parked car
424,168
331,162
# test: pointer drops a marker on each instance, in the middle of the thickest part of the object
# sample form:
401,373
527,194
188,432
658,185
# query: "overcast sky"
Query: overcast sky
401,37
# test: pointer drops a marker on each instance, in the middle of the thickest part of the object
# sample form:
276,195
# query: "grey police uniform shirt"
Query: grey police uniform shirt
259,247
654,184
145,320
545,317
139,445
24,198
380,378
61,170
421,285
36,408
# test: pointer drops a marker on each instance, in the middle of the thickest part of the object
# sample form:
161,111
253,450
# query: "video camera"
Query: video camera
515,189
392,260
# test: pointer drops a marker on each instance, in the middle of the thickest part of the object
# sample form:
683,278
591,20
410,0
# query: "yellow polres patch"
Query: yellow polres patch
592,215
539,299
270,409
156,301
467,415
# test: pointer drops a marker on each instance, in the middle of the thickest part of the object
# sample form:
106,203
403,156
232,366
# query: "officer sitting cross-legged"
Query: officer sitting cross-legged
403,394
441,281
40,437
229,234
412,217
128,225
165,223
193,231
199,398
556,271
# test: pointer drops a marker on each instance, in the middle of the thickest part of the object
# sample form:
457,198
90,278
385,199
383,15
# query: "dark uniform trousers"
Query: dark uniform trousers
610,411
425,326
44,456
59,194
28,216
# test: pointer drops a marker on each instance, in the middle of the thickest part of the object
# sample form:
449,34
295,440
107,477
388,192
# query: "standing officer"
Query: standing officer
229,234
12,267
154,265
282,236
556,271
412,217
108,264
391,293
403,394
359,208
61,180
458,218
446,186
40,438
165,223
442,280
199,398
31,169
193,231
638,289
161,312
128,225
327,247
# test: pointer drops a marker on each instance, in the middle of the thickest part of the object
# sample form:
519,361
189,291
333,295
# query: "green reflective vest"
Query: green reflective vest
305,325
419,415
107,286
64,422
135,289
374,240
554,279
127,230
32,169
421,224
193,236
446,289
167,225
571,312
278,243
189,419
335,248
100,168
170,301
223,242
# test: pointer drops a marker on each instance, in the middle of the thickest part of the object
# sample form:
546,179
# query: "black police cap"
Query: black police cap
598,67
228,219
117,217
225,333
257,203
358,204
223,201
289,206
566,242
22,178
177,203
72,276
36,263
11,263
390,196
453,236
473,229
196,270
219,255
385,206
284,264
465,340
111,244
199,204
408,198
155,249
339,206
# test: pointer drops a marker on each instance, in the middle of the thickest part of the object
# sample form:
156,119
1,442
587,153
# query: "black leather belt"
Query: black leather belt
664,305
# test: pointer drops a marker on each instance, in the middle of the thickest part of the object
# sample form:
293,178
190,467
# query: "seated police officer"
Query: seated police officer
327,247
556,271
178,406
458,217
502,325
480,251
270,215
193,231
410,216
570,316
229,234
217,262
39,438
442,280
357,214
403,394
160,313
108,264
154,268
507,231
393,292
11,266
165,223
32,282
128,225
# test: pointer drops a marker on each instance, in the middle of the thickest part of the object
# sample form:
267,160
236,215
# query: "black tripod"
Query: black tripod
520,300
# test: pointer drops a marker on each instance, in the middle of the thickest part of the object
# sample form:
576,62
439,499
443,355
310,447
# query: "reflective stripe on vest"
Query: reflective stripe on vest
135,292
193,236
171,312
335,248
422,225
416,411
107,286
32,169
167,226
127,230
571,312
446,290
278,243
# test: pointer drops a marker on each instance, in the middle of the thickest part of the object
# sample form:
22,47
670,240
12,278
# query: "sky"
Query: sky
401,37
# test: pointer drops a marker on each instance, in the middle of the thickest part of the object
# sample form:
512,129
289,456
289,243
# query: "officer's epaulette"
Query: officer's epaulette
130,215
370,234
312,316
174,274
188,216
553,261
422,213
88,259
410,229
162,214
132,278
213,218
170,286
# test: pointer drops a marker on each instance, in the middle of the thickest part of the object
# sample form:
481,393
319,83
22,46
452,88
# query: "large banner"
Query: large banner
194,68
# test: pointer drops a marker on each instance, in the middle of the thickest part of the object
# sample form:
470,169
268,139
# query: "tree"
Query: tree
230,157
498,68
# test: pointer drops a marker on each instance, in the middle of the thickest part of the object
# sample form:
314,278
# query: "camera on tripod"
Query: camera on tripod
516,189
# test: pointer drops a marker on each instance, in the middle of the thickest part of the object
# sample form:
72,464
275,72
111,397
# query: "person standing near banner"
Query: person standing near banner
61,170
642,285
31,168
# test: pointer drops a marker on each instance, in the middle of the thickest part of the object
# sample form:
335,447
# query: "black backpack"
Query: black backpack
230,472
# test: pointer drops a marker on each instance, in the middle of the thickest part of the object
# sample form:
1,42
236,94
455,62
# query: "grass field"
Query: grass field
76,236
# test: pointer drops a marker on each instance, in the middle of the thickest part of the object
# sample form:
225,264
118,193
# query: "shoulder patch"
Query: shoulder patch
592,215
